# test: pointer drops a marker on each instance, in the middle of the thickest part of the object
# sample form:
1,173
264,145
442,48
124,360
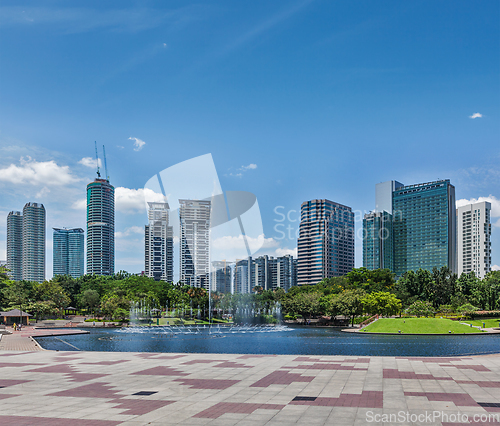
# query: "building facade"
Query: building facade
100,227
159,245
194,218
222,276
326,241
15,245
68,251
474,238
378,248
424,224
33,242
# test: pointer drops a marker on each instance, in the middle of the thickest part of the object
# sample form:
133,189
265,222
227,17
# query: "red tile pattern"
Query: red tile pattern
467,367
69,371
459,399
231,364
327,366
105,362
207,383
280,378
48,421
390,373
201,361
161,371
93,390
138,407
367,399
221,408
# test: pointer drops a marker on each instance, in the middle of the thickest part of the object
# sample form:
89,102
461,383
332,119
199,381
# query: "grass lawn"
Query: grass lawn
418,325
489,322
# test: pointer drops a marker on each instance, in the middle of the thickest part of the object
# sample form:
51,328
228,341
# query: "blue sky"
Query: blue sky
323,98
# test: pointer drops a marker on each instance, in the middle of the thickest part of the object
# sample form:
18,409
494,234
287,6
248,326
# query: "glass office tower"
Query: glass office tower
68,251
424,226
326,241
378,248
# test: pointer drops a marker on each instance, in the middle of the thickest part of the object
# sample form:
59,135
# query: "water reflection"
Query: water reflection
271,340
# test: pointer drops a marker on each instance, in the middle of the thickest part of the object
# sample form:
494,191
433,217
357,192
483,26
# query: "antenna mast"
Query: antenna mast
97,160
105,164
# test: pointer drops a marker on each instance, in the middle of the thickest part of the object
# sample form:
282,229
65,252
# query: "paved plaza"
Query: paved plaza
115,388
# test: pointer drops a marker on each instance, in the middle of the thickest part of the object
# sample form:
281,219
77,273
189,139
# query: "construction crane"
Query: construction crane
105,164
97,160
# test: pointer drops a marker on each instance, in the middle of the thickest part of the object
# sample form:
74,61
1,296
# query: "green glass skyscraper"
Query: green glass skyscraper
378,246
424,224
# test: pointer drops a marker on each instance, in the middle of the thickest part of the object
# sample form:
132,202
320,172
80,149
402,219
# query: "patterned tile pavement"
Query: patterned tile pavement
107,389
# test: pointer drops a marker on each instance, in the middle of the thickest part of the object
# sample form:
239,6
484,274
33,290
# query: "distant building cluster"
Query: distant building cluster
418,226
412,226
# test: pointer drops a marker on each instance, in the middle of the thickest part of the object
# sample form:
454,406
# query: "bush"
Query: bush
420,309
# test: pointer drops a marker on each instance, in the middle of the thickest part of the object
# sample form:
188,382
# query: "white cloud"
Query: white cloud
251,166
495,268
34,172
138,144
42,193
283,252
129,231
79,204
239,172
134,200
90,162
475,115
495,206
127,200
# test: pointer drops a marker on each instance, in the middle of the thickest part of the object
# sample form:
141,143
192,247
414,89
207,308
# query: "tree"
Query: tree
381,303
420,309
467,310
371,280
89,299
349,303
444,285
116,306
18,293
51,290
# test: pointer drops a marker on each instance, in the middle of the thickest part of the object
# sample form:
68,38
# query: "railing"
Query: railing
368,321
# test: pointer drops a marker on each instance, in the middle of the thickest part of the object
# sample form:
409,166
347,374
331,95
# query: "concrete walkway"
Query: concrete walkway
23,341
112,388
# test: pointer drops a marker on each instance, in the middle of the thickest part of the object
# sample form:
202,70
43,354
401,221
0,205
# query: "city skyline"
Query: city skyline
296,101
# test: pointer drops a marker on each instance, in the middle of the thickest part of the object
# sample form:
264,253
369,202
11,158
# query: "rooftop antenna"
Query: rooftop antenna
97,160
105,164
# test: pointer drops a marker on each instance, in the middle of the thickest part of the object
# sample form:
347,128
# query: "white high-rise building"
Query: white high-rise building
474,238
33,242
194,218
159,244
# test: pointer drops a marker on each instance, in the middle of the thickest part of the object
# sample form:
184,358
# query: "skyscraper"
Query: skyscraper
424,224
100,227
326,241
194,218
68,251
222,276
15,245
473,242
33,242
378,248
159,244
